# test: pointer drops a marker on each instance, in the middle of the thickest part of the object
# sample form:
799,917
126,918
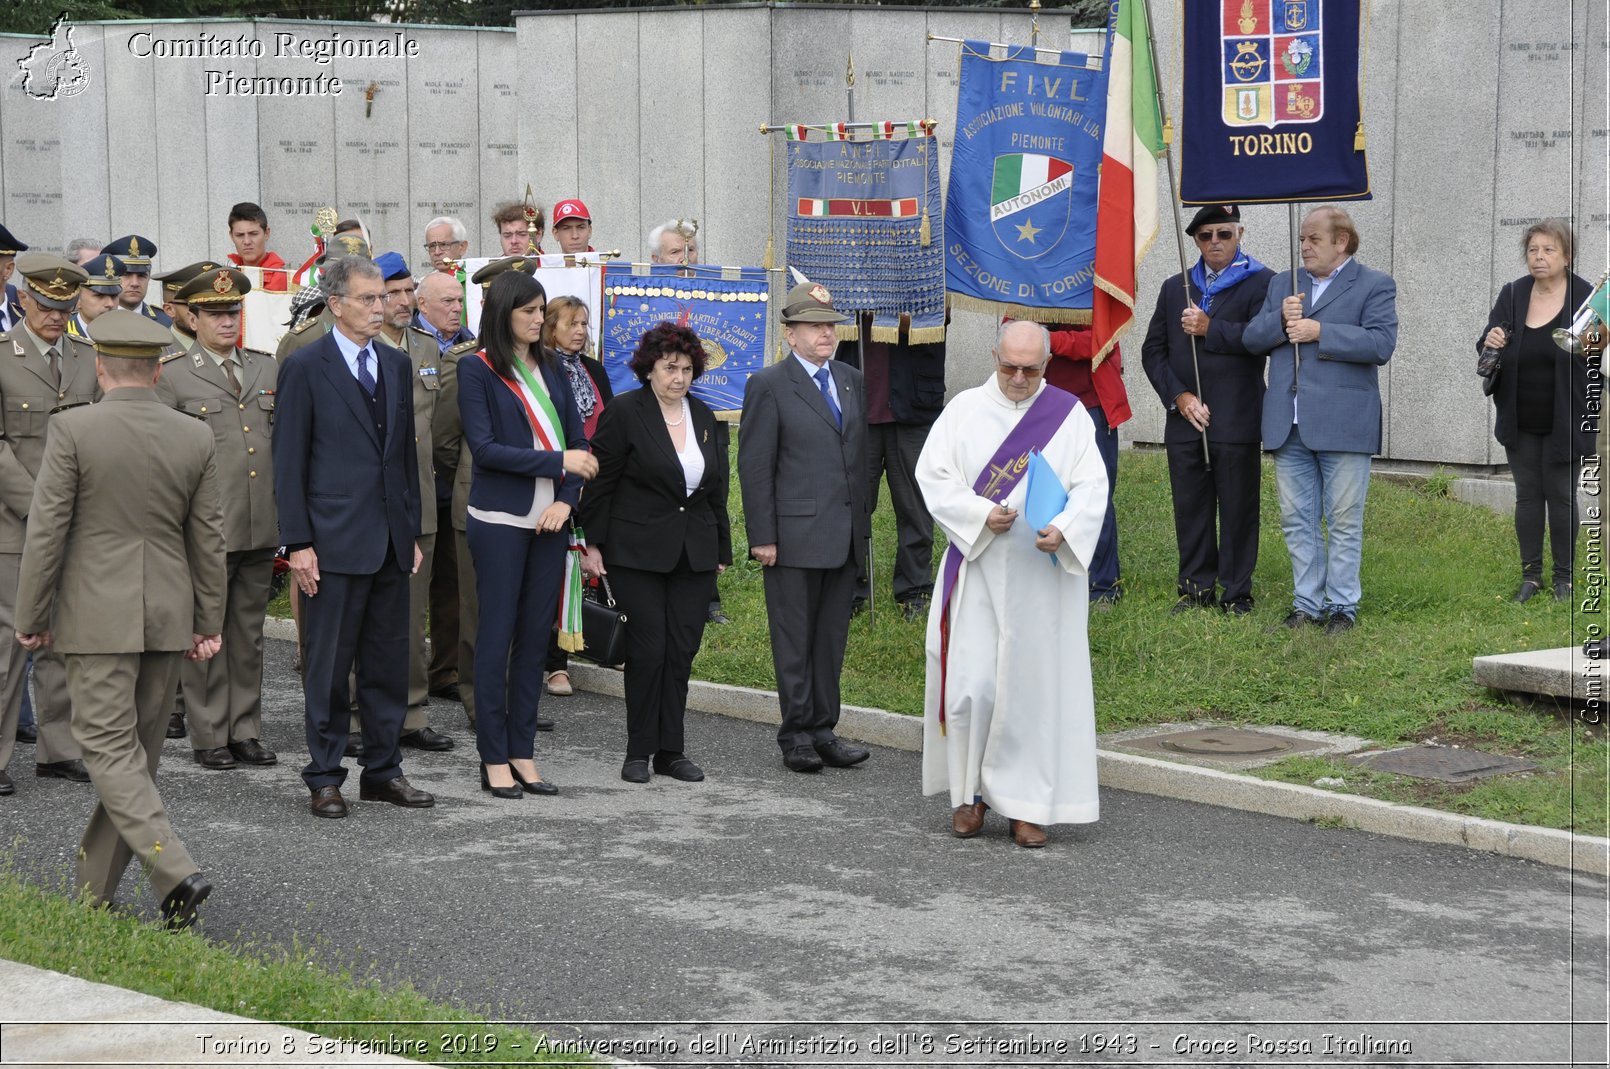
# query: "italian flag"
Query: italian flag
1126,215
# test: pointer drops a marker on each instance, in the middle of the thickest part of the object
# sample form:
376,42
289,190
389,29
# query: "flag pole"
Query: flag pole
1294,222
860,350
1174,203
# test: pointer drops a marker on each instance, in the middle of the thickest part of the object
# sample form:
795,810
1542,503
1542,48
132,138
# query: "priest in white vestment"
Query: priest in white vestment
1009,715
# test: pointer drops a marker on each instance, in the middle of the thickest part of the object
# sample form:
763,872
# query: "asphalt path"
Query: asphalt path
764,916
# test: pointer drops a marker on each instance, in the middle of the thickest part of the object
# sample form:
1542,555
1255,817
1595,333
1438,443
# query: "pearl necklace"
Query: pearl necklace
679,422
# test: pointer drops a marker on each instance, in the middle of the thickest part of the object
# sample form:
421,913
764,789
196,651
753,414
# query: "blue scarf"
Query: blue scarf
1237,269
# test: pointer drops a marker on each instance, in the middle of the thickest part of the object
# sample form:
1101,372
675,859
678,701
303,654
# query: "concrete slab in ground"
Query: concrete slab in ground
1560,673
1314,743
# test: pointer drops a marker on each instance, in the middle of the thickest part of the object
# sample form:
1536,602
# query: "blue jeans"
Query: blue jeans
1333,486
1104,565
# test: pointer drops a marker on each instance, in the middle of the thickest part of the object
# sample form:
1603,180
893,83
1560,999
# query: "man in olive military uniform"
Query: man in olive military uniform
136,253
123,572
10,310
319,323
42,371
184,320
231,390
397,330
98,295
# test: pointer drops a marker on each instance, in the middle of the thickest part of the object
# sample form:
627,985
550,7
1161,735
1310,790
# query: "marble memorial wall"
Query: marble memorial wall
650,114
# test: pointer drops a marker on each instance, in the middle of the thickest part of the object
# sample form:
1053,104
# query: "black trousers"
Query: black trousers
666,613
1227,492
894,448
362,618
1543,487
444,604
809,614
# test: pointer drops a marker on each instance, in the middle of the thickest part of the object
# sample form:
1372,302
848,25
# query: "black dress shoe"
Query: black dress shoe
1529,589
448,693
217,758
544,724
27,733
396,791
839,754
179,908
1338,623
635,770
858,606
176,729
327,802
71,770
679,767
426,738
716,615
252,752
1562,590
914,608
354,745
511,791
533,786
1296,618
802,759
1238,607
6,786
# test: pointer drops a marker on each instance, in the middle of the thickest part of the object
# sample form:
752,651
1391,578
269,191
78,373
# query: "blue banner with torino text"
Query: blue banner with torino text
724,306
1020,217
1271,103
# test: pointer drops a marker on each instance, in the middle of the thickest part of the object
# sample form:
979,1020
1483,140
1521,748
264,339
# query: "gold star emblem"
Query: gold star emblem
1027,231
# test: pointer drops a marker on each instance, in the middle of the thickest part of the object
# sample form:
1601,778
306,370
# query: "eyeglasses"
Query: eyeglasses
1012,371
441,246
1205,236
362,298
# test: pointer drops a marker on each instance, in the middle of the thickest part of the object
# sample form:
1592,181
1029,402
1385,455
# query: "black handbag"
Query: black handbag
603,627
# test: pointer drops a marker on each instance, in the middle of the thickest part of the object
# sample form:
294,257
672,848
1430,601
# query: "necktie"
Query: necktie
229,373
53,358
825,381
365,378
1212,277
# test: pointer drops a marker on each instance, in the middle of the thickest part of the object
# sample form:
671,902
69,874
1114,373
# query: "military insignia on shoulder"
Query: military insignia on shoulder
257,352
169,357
59,409
305,325
17,349
417,329
464,347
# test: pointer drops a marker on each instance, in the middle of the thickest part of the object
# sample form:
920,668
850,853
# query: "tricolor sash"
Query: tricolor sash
1000,477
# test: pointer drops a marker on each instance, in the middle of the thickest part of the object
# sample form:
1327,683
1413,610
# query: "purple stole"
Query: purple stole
1000,476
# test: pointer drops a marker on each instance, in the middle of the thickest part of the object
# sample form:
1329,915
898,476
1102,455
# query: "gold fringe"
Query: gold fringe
925,231
571,641
911,336
769,260
1018,311
1358,137
846,331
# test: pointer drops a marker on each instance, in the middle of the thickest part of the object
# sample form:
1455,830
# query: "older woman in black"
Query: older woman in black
656,521
1541,393
529,457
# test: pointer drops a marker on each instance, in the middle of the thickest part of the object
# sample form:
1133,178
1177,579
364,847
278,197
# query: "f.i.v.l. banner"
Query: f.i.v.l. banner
1271,102
1020,216
724,306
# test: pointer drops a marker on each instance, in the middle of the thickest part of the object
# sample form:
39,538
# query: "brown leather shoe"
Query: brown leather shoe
968,820
327,802
396,791
1024,834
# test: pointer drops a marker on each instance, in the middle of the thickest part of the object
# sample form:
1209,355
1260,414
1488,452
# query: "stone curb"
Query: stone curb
1190,783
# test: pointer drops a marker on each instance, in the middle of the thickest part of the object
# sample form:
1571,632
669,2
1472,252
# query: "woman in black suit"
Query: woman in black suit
529,460
1541,394
656,520
564,337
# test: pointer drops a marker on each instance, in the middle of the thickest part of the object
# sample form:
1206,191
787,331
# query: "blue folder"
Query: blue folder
1044,499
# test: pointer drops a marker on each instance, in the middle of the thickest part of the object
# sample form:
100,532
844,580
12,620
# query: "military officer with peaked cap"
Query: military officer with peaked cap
231,390
136,253
450,436
123,573
98,295
42,371
10,310
184,320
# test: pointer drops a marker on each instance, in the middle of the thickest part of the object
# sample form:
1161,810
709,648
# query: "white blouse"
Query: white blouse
691,456
544,495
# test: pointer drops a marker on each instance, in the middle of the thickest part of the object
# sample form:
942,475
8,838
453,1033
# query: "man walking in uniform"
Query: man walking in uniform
123,572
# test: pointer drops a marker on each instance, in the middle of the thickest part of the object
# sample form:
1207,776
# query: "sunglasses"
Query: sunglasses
1012,371
1215,235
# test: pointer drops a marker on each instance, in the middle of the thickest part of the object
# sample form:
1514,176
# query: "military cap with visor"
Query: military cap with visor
220,289
130,335
135,252
809,302
105,275
9,245
50,280
524,264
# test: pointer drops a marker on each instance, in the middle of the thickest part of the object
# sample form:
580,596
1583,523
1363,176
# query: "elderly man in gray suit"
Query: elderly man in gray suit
802,457
1322,411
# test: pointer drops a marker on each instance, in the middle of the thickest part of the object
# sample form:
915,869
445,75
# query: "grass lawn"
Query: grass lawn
1437,579
41,926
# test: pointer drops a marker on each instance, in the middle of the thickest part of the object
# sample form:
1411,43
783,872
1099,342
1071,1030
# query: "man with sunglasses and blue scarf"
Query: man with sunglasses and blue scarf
1214,398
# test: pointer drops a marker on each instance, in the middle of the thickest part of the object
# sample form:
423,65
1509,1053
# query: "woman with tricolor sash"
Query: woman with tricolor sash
529,462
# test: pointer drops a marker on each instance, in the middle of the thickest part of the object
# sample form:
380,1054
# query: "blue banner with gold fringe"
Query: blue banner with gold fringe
725,306
1271,101
863,220
1020,215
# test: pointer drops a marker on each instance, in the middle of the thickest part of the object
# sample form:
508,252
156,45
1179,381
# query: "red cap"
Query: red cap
569,209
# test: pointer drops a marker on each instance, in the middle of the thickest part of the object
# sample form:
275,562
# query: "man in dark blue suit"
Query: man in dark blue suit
1212,387
1322,411
346,481
10,307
